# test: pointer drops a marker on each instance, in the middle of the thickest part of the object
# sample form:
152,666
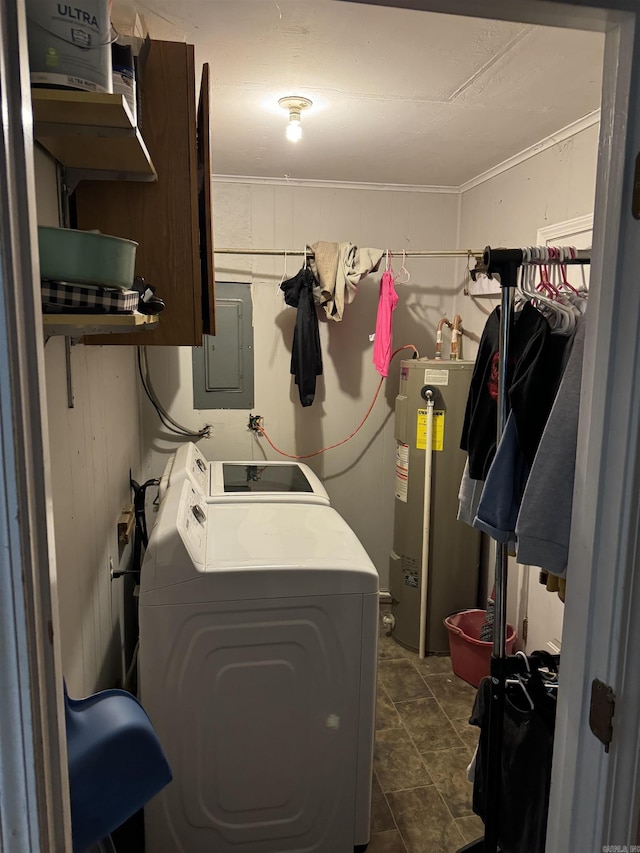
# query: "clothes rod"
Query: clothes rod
436,253
582,255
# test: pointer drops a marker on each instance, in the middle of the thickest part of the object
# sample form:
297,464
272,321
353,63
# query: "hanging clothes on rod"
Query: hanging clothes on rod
531,397
544,521
387,302
306,355
529,332
505,264
338,269
533,382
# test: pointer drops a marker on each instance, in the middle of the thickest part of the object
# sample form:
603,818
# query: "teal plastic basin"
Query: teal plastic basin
86,257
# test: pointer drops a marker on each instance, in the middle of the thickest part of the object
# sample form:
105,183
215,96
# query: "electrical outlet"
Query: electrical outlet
256,423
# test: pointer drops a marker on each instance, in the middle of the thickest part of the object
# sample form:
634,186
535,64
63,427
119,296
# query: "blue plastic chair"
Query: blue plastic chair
116,763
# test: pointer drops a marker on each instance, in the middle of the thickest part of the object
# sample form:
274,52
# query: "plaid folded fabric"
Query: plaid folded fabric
59,297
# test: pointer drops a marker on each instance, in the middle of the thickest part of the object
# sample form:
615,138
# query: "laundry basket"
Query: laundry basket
471,656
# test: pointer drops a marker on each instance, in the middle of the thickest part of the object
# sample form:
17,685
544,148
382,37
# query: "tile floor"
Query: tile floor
421,797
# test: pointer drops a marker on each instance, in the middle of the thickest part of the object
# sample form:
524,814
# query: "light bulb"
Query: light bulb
294,130
294,104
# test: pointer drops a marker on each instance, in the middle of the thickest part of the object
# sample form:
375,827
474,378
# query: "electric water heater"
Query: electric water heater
453,553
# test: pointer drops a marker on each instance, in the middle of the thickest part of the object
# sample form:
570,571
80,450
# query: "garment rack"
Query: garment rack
504,263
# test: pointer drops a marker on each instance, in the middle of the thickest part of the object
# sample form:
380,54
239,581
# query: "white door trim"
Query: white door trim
34,809
601,638
560,230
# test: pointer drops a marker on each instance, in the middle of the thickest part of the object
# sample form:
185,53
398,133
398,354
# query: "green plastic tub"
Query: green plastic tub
86,257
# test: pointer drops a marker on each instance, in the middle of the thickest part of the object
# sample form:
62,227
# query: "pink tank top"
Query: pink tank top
387,302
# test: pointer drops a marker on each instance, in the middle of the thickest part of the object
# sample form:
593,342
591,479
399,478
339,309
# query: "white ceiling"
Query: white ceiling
400,96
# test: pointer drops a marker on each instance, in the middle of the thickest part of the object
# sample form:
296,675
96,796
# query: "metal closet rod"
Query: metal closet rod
433,253
582,255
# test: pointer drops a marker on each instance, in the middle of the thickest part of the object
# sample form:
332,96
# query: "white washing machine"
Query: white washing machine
238,480
258,635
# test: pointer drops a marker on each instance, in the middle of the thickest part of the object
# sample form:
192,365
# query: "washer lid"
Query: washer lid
292,537
236,481
256,478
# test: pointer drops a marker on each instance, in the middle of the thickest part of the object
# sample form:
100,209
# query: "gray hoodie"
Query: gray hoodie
544,521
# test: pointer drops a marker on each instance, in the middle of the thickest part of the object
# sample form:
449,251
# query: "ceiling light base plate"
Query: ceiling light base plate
295,103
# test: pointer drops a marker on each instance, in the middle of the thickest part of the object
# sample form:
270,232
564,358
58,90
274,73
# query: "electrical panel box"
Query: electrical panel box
223,365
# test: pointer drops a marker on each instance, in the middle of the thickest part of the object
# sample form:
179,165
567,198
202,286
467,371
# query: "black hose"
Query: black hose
141,537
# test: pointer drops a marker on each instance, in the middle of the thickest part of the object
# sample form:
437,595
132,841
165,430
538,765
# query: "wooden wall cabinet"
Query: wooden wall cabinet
170,219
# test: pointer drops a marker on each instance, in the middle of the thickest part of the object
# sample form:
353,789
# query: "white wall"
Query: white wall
93,446
553,186
507,210
359,476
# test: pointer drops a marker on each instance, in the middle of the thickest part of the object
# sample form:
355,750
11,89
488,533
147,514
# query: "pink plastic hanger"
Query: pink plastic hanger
563,268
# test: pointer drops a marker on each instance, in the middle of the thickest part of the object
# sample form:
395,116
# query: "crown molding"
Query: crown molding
549,142
332,185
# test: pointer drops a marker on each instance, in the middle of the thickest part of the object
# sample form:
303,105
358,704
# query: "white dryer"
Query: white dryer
258,634
243,480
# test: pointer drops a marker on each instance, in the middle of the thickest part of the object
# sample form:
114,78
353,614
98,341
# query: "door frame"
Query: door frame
34,797
595,795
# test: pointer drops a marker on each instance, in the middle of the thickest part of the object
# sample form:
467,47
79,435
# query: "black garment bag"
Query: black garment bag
526,757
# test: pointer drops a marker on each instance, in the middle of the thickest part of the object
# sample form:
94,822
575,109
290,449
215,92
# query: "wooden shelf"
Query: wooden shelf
92,134
79,325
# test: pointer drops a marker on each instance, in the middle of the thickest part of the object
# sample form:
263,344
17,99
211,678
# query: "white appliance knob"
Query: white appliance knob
199,513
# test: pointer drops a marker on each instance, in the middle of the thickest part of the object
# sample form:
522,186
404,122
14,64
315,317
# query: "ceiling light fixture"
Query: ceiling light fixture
295,105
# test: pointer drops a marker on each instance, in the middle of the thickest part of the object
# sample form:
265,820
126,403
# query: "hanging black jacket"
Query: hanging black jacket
529,334
306,356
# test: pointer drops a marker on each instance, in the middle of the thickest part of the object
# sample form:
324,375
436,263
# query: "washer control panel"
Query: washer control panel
197,468
186,463
192,523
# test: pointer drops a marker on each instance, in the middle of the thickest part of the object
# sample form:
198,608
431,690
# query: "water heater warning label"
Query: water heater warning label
402,471
437,442
436,377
